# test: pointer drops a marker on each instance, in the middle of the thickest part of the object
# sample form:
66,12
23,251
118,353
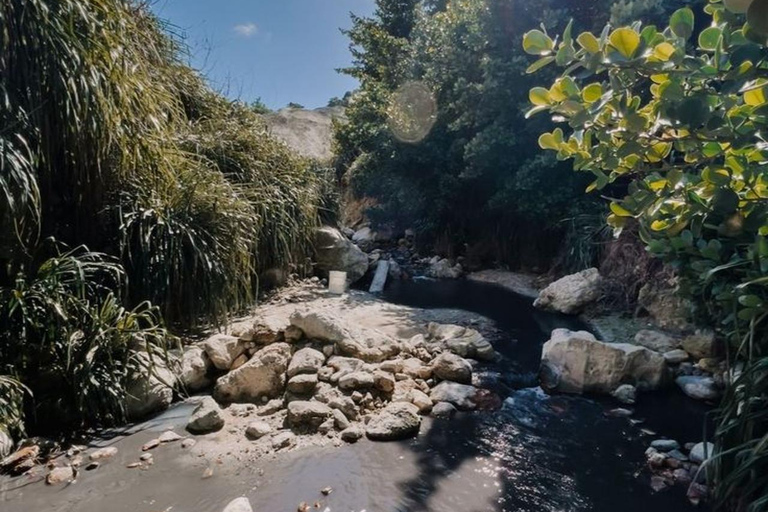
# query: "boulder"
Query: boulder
570,294
576,362
333,251
193,370
364,235
367,344
308,414
60,475
398,420
257,430
302,384
665,445
626,394
207,417
462,341
701,452
443,410
356,381
306,360
20,461
238,505
262,376
443,269
340,421
449,366
663,303
351,434
266,331
698,387
422,401
676,356
384,381
223,349
151,389
415,368
655,340
700,345
462,396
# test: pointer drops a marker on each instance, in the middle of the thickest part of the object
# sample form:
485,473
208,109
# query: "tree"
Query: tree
673,132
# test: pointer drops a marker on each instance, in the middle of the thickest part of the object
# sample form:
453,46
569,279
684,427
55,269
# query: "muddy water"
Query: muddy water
538,453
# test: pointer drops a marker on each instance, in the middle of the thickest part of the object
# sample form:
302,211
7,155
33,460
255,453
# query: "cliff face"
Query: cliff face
308,132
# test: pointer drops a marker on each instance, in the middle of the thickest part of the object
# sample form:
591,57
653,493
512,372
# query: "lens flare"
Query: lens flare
412,112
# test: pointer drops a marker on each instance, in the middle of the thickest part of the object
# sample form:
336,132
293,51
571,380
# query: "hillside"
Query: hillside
308,132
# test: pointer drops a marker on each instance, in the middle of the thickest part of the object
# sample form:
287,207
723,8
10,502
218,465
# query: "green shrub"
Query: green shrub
673,132
65,336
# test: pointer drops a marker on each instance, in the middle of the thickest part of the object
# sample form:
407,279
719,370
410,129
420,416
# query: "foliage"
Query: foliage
294,105
260,107
673,133
65,336
477,174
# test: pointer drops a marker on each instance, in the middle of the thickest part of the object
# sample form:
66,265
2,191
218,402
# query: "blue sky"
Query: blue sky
278,50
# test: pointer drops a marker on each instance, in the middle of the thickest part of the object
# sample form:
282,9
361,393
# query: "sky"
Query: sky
278,50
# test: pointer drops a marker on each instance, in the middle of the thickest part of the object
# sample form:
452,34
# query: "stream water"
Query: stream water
538,453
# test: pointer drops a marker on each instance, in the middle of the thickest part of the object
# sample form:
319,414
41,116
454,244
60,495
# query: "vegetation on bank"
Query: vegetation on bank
476,185
110,144
669,123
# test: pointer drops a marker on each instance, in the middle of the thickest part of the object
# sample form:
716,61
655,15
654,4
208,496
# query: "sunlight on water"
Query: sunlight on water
412,112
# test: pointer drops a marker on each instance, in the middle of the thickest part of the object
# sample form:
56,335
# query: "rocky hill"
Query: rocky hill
308,132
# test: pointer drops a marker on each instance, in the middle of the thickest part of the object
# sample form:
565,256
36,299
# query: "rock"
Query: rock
194,367
422,401
239,361
443,410
398,420
462,341
266,331
414,368
150,390
293,334
351,434
626,394
682,476
303,384
150,445
655,340
262,376
223,349
662,302
103,453
307,414
333,251
257,430
460,395
572,293
384,381
238,505
701,344
363,235
20,461
6,444
207,417
391,366
676,356
665,445
188,443
283,440
356,381
576,362
169,436
443,269
306,360
698,387
367,344
658,483
448,366
241,410
60,475
340,421
701,452
710,365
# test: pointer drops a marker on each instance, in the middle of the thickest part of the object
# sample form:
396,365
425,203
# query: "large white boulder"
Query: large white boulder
150,390
571,293
398,420
207,417
449,366
193,369
223,349
367,344
262,376
462,341
334,251
576,362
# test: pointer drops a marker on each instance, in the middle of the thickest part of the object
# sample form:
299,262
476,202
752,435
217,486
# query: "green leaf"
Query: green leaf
725,201
548,141
625,41
592,93
709,38
539,96
681,22
589,42
620,211
536,42
539,64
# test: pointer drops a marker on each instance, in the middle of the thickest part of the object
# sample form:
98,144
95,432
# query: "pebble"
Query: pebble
103,453
60,475
149,445
188,443
169,437
665,445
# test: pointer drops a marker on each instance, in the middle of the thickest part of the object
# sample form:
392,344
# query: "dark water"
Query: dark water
539,453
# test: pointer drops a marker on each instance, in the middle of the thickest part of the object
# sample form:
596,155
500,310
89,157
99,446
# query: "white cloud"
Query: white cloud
246,29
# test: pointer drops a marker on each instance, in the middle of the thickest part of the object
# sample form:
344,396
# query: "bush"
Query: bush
673,133
65,336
